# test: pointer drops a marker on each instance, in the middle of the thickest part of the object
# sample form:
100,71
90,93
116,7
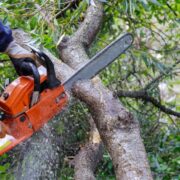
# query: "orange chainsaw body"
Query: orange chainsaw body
21,121
18,120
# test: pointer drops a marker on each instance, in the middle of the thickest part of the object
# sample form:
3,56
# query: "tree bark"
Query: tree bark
89,156
118,129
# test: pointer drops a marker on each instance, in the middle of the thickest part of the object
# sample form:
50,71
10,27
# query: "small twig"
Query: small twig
141,94
45,15
172,10
173,121
63,10
164,50
158,78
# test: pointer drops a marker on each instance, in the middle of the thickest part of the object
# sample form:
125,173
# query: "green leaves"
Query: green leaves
155,26
166,160
153,63
4,169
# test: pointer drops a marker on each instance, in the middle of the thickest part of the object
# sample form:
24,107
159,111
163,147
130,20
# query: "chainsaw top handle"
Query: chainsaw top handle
52,81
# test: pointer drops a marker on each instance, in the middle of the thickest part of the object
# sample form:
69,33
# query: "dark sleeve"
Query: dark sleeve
5,37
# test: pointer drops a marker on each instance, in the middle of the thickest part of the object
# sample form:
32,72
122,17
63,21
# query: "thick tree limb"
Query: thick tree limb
87,160
118,129
32,157
143,95
39,156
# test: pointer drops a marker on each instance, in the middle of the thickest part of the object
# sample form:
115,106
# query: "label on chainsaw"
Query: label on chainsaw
6,141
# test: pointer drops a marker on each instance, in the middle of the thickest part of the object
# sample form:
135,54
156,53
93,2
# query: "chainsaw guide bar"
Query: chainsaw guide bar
19,120
101,60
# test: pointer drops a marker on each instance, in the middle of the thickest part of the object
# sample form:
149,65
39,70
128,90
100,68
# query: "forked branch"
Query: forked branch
118,129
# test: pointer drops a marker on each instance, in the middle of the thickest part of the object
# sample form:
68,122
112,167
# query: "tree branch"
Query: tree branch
144,96
82,38
73,52
89,156
161,75
87,160
171,9
118,129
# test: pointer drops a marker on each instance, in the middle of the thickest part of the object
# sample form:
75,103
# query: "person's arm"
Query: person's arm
23,60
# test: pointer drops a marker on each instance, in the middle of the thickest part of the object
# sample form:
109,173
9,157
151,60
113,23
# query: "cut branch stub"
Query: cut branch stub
89,156
87,160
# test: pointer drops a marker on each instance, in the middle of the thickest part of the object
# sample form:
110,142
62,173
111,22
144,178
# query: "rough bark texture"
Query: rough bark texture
87,160
39,157
81,39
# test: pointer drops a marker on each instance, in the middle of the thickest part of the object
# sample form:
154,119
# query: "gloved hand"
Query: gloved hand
22,59
5,37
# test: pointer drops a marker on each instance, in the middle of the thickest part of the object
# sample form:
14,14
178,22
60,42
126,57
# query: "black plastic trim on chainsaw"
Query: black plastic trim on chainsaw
52,81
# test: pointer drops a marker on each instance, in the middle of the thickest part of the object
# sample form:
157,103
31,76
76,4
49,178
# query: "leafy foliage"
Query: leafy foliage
155,25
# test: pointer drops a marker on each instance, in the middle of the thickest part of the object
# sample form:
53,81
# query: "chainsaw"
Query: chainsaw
19,119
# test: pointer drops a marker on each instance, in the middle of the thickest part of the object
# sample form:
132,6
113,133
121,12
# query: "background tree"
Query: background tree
148,74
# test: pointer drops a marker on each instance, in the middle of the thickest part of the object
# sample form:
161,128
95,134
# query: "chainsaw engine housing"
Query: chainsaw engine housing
20,119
